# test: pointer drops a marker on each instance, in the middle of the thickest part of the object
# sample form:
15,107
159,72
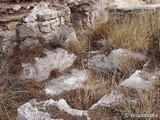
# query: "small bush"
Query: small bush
59,40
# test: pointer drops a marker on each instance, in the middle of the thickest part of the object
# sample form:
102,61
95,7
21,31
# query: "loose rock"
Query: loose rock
58,59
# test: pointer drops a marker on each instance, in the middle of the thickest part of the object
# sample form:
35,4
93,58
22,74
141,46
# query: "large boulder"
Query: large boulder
58,59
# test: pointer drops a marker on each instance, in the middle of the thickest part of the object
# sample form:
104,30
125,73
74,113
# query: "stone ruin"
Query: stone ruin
22,24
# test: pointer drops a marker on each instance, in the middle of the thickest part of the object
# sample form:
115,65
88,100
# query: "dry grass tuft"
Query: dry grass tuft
133,32
129,64
154,46
78,47
26,56
14,92
130,34
146,102
97,85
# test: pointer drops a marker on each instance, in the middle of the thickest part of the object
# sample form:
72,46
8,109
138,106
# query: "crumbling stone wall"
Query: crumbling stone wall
21,24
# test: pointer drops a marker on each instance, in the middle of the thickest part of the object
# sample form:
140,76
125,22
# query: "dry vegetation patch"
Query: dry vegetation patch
132,32
97,85
140,102
141,33
26,56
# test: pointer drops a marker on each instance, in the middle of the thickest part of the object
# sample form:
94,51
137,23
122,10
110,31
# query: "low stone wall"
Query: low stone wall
21,21
18,22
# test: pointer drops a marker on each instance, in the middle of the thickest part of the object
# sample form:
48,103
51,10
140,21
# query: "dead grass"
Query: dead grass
152,1
14,92
128,65
26,56
78,47
141,33
97,85
146,102
133,32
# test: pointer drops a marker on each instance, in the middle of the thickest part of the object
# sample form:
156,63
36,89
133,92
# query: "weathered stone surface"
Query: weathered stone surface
54,24
45,27
67,82
109,100
141,80
8,34
89,14
7,41
41,12
16,7
103,109
47,16
58,59
7,47
62,22
30,30
29,112
115,60
138,7
68,32
28,43
12,18
122,3
33,110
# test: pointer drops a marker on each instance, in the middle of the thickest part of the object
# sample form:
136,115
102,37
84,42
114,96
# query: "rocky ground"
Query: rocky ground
79,60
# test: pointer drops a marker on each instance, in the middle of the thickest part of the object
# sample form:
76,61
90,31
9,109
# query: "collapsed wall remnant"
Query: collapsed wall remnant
46,19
